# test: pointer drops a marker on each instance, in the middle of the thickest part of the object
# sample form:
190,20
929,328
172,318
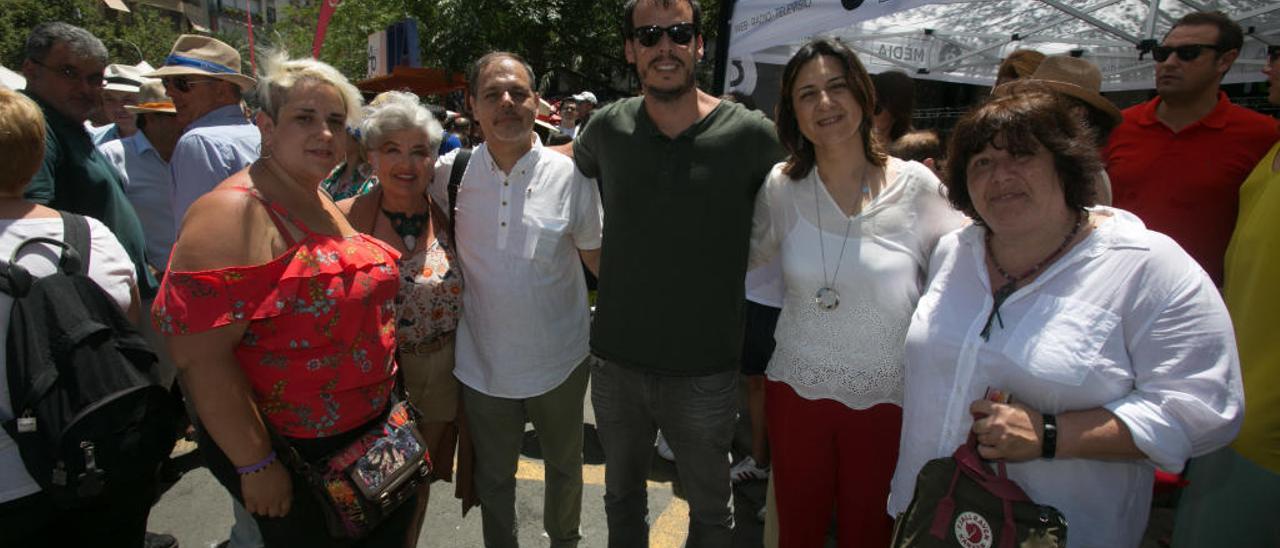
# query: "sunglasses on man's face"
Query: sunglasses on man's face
1186,52
680,33
182,84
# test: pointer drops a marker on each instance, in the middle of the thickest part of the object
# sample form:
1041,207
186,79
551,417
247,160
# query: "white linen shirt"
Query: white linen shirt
148,183
525,320
1125,320
853,353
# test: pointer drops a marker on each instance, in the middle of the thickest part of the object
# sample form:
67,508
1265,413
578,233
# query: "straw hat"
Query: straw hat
124,78
1072,76
151,99
195,55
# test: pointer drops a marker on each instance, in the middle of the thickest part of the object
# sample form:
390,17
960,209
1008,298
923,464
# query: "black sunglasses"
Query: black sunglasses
1273,53
680,33
1186,52
182,84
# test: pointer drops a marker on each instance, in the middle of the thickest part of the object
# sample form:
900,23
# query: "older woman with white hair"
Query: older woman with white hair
402,138
280,315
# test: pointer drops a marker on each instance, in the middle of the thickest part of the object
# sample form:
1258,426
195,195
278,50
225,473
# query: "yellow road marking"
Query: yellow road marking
668,531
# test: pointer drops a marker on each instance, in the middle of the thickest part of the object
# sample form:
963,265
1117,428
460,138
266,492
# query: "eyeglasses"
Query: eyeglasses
1273,53
1186,52
93,80
680,33
182,84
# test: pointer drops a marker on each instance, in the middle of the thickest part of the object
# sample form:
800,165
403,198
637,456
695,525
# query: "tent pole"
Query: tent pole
1149,29
1093,21
724,29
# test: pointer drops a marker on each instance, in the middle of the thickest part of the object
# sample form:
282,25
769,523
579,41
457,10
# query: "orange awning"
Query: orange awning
422,81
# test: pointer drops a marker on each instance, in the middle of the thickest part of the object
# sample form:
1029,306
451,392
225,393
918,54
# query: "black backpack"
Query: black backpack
90,415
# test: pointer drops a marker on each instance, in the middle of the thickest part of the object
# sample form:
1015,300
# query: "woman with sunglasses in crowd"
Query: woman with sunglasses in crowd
280,315
854,229
403,138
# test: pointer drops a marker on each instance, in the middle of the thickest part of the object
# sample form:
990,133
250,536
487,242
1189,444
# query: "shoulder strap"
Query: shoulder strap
75,231
455,181
276,213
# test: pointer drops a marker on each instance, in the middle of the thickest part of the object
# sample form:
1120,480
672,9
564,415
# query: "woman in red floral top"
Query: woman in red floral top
402,139
280,314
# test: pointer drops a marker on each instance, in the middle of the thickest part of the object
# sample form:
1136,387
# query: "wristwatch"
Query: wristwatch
1049,447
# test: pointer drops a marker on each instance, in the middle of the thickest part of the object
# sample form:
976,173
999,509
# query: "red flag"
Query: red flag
326,11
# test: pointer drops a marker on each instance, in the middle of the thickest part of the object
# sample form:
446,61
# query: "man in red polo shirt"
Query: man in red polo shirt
1177,161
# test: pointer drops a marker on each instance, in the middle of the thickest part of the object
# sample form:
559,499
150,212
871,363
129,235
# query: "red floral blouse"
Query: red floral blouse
319,347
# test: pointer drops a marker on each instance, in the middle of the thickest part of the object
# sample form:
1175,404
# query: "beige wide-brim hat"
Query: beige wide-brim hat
151,99
1072,76
195,55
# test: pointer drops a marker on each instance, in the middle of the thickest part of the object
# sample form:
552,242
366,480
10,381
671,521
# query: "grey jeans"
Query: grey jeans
696,415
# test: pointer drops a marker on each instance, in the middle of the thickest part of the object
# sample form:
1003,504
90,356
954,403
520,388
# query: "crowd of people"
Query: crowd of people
312,265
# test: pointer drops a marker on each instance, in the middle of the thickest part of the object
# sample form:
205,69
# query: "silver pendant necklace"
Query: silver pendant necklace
827,298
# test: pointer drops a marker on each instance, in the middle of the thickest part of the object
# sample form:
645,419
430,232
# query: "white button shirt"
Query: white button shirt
525,323
1126,321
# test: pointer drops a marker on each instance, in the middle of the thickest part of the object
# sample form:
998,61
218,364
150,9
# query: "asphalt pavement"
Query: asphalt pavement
197,510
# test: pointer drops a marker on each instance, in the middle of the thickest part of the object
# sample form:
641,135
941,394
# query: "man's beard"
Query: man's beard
668,95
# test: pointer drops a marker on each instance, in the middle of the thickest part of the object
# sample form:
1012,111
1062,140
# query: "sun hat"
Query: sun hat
124,78
1072,76
195,55
151,99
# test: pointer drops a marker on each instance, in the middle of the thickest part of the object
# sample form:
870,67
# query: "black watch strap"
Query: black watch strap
1049,447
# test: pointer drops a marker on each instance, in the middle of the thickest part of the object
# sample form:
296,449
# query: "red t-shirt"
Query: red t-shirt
1186,184
319,347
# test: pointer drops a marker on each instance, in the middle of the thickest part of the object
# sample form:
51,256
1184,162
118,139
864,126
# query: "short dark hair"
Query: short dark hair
80,42
918,145
896,93
1230,35
802,159
629,15
473,73
1023,123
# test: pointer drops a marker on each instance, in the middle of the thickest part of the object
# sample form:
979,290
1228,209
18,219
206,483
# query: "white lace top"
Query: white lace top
852,354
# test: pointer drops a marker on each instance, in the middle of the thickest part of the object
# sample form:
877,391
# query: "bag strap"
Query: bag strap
75,231
455,182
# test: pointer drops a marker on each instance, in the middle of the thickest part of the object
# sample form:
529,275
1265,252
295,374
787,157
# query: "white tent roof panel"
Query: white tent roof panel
964,41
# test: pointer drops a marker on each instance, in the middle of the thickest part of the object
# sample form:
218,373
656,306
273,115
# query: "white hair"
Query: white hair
280,74
393,111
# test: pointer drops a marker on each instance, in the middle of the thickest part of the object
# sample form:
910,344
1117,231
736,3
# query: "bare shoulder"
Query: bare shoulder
225,227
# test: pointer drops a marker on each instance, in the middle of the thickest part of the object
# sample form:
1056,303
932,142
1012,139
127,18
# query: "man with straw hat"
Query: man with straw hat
142,159
112,121
1080,82
202,76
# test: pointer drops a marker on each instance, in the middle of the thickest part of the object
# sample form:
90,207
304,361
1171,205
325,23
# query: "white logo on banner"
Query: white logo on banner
741,74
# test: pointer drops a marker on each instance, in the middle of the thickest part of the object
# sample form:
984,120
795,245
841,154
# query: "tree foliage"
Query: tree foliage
145,33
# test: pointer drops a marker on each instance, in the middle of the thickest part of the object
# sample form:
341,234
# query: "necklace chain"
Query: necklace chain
848,223
1011,282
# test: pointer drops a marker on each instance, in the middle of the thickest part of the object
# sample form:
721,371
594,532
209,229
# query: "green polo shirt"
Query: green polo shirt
77,178
677,228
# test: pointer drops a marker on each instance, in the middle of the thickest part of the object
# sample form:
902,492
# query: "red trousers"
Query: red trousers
830,460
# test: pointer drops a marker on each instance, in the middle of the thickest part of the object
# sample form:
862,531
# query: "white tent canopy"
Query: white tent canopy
11,79
964,41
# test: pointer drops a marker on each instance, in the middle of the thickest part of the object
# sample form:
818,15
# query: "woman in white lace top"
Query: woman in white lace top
854,229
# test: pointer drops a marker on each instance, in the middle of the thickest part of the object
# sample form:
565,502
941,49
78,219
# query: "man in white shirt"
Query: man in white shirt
524,216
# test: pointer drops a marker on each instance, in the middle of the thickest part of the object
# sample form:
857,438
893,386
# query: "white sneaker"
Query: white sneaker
747,470
664,450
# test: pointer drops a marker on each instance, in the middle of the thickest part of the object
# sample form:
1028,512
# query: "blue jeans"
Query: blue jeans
696,415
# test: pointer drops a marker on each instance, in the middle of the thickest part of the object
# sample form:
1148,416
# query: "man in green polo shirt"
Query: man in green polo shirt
680,170
64,76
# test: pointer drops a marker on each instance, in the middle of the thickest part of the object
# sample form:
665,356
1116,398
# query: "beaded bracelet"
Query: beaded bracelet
257,466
